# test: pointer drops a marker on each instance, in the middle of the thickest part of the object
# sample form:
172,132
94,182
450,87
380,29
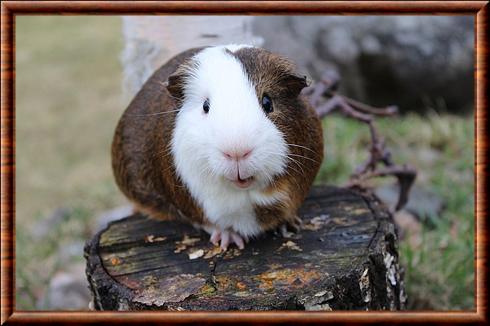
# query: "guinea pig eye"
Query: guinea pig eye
267,104
205,106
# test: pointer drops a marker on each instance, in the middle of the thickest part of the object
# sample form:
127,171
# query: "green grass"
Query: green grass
68,100
440,270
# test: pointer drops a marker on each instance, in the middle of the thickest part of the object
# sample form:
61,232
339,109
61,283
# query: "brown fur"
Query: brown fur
294,116
141,156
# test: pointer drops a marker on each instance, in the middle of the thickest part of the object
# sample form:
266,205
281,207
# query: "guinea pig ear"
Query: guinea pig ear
177,81
295,83
175,85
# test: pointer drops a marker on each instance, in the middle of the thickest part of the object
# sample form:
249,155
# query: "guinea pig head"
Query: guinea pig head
236,108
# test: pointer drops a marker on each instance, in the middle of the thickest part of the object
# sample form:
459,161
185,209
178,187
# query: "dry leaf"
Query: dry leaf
344,221
316,223
115,261
230,253
186,241
240,286
213,252
189,241
290,245
151,238
196,254
180,248
311,227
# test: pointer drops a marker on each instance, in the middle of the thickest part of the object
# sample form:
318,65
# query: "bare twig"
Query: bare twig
405,175
378,153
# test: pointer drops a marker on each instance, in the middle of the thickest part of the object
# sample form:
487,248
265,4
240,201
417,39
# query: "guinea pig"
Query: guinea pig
222,138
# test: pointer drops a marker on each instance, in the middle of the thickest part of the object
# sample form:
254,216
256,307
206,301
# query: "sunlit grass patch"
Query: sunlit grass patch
440,271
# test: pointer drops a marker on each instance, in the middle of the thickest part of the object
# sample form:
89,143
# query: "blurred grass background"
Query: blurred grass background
69,99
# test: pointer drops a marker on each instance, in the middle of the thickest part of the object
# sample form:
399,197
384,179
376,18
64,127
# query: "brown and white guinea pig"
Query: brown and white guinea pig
221,137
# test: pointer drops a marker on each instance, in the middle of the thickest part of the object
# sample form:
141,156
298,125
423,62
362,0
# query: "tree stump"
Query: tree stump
344,258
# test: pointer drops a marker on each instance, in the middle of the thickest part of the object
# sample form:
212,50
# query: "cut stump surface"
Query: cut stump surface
344,258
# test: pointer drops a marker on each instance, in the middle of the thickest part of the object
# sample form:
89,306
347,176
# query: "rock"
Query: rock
428,156
416,62
114,214
71,251
42,228
409,227
67,290
423,203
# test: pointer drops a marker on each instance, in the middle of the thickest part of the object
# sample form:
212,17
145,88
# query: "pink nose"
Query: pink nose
237,155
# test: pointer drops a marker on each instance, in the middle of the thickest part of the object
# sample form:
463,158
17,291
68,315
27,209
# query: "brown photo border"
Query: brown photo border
10,9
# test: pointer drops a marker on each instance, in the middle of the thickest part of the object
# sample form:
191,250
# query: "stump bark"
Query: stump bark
344,258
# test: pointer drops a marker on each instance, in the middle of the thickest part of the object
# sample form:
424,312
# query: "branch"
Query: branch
378,152
405,176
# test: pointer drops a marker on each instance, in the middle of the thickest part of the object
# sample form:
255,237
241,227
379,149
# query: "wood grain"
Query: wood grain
481,163
346,259
246,7
10,8
260,317
7,165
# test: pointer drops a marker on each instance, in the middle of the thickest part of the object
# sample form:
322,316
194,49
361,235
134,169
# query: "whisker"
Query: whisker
151,114
171,166
289,158
208,171
309,149
295,170
270,179
301,166
165,151
307,158
293,179
163,156
298,164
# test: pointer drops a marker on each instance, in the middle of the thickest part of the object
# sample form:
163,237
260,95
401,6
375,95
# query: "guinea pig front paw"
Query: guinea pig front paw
225,237
293,225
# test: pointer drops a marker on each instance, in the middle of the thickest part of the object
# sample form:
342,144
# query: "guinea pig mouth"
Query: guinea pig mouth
243,183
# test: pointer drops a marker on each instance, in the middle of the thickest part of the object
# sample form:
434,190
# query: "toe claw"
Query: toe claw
225,240
215,237
238,240
295,224
284,231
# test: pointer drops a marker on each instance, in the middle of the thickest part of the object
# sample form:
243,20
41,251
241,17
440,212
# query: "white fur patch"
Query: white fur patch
235,122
